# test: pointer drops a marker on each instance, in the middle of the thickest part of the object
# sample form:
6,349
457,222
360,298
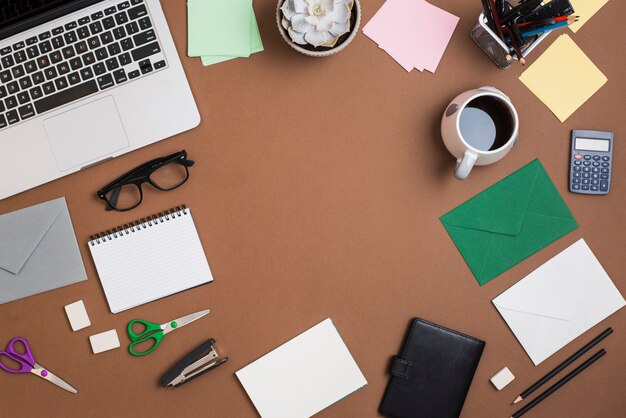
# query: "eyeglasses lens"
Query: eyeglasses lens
170,176
124,197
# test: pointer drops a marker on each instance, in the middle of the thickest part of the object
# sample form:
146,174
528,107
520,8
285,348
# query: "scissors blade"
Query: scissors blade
184,320
52,378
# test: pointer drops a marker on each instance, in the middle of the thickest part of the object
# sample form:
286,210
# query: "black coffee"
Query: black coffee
486,123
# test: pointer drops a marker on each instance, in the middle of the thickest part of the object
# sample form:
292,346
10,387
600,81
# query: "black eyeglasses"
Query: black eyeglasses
165,173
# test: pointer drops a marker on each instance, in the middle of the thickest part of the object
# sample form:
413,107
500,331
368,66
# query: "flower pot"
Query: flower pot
322,51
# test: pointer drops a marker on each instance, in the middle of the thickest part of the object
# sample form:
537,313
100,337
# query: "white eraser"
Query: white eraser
104,341
77,315
502,378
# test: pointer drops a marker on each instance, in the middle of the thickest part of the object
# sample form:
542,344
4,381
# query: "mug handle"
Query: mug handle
465,165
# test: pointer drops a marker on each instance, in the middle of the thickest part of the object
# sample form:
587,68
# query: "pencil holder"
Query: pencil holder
494,47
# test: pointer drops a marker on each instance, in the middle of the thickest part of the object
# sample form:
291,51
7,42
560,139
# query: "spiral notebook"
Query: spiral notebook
149,259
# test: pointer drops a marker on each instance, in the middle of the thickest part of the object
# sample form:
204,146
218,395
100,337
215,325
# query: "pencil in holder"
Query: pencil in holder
495,48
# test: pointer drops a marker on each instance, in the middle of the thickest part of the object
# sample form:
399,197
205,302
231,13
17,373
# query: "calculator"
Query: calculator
590,162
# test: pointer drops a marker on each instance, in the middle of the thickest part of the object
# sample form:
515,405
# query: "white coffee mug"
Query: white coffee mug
479,127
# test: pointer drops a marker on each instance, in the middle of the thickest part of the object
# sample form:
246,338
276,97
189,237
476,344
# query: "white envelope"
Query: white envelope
559,301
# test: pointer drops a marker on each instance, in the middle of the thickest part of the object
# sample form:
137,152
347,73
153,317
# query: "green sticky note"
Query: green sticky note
256,44
218,27
509,222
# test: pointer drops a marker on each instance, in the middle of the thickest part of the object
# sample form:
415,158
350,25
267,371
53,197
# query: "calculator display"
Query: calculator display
587,144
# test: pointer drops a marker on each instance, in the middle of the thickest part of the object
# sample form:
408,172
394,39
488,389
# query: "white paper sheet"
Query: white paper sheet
559,301
302,376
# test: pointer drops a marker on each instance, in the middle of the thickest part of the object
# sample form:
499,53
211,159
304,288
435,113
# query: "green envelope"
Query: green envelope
508,222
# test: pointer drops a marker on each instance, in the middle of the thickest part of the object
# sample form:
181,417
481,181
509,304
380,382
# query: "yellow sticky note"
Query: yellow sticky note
585,9
563,77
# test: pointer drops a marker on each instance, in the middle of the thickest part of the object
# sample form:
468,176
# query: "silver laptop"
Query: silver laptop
83,81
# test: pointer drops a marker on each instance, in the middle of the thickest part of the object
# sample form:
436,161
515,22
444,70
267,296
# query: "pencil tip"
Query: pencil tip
518,399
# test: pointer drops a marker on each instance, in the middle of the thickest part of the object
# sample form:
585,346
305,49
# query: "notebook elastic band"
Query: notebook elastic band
400,368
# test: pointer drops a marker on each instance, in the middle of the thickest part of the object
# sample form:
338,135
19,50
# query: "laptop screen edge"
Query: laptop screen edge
46,16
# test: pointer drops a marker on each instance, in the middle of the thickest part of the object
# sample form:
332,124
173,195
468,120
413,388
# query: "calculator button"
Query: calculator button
585,187
605,158
605,164
576,181
595,182
604,170
575,187
577,169
587,163
587,157
594,188
595,170
577,163
595,176
578,156
604,176
585,181
604,186
576,175
595,164
586,169
586,175
596,158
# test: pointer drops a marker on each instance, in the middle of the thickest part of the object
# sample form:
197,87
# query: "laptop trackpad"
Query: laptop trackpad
83,135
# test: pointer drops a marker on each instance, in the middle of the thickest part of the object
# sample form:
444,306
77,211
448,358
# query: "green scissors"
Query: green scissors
156,332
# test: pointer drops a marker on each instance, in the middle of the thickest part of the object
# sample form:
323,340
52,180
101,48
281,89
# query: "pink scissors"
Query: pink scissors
27,364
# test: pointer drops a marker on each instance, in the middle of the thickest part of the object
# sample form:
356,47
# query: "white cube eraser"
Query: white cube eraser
77,315
502,378
104,341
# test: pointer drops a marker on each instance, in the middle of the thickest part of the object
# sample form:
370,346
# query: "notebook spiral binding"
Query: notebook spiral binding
137,225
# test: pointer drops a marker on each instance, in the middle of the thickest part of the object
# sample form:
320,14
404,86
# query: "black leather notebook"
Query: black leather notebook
432,375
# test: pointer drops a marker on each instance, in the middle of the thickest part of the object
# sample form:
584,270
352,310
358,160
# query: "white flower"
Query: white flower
316,22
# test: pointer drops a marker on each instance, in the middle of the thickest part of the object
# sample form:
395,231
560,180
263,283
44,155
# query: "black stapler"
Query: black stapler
201,360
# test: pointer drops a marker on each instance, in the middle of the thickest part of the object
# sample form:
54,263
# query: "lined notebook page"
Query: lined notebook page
152,262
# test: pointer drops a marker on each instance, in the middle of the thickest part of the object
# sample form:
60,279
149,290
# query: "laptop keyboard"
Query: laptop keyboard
83,57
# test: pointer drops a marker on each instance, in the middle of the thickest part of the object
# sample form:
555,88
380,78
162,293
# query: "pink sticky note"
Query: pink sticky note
379,20
376,28
441,25
404,63
412,31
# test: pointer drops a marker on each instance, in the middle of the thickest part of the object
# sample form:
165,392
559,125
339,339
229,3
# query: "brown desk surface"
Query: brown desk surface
316,193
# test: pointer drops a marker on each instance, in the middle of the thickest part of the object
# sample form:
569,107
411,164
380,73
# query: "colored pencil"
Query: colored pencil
489,15
569,17
536,23
560,383
556,19
558,25
563,365
514,44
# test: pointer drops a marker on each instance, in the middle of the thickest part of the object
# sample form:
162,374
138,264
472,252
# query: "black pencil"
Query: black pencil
563,365
558,384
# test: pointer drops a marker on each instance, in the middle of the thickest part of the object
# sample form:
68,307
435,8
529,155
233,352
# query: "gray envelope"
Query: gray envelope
38,251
